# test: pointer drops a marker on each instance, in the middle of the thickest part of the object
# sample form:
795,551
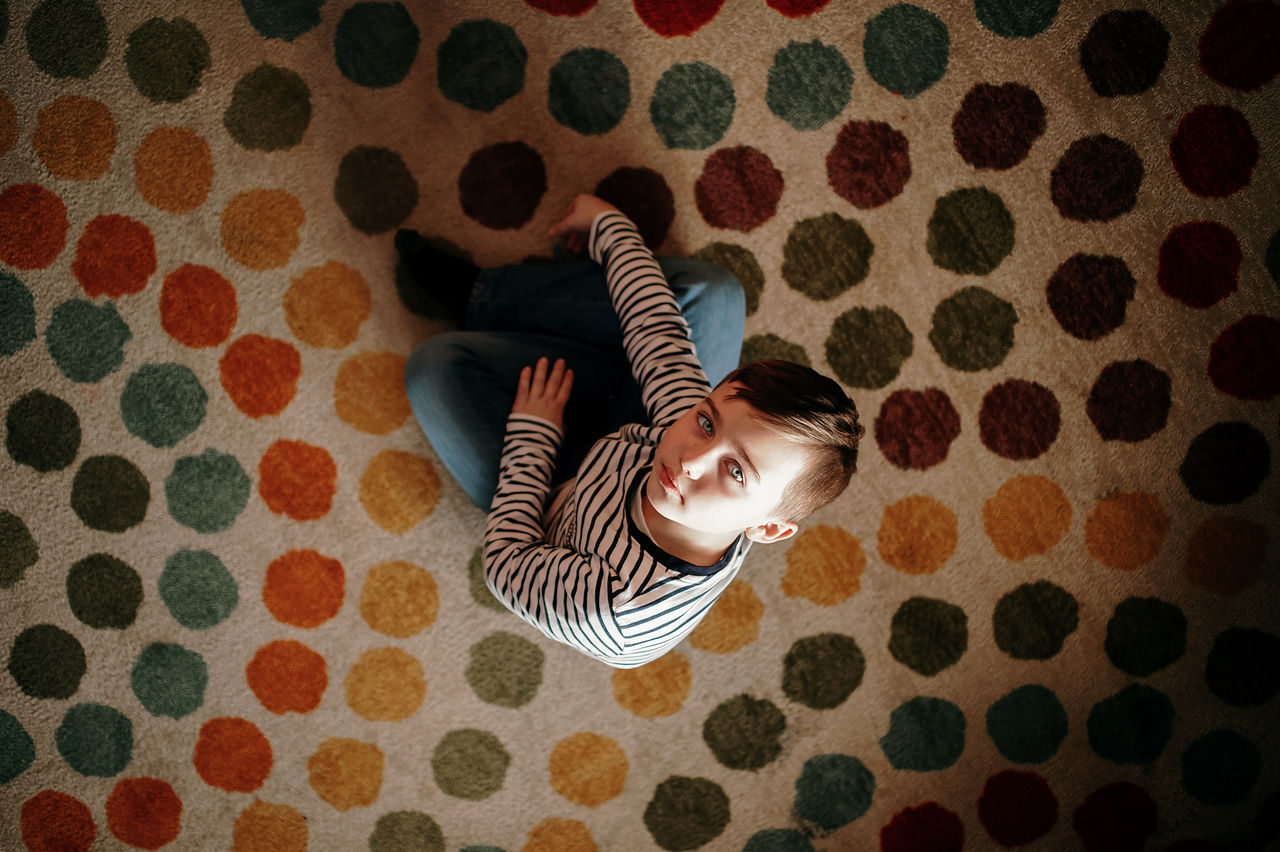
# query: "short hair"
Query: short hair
813,411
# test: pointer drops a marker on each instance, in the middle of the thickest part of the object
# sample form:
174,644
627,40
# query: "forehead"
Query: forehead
772,452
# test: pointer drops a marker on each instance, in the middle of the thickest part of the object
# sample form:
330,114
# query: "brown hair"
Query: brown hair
812,410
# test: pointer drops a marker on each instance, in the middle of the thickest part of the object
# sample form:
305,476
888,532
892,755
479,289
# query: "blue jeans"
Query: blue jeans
461,384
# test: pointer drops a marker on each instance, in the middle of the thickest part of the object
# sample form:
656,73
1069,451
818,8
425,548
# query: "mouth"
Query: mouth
668,482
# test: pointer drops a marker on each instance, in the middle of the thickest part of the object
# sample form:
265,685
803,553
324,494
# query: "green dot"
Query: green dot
744,266
744,732
761,347
925,734
686,813
163,403
43,432
1028,724
198,589
109,493
376,44
778,840
95,740
169,680
867,347
470,764
970,231
1016,18
207,492
906,49
481,65
270,109
1145,635
17,749
1221,768
47,662
104,592
809,84
17,315
973,329
166,59
928,635
67,38
505,670
1032,621
406,831
479,590
18,550
822,671
86,340
589,91
282,19
826,255
1132,726
833,790
375,189
692,106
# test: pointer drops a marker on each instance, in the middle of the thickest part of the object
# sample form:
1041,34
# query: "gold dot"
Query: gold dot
732,623
559,835
369,393
75,138
266,827
173,169
655,689
917,535
824,565
260,228
326,305
346,773
385,685
399,599
1125,530
399,490
1026,516
588,769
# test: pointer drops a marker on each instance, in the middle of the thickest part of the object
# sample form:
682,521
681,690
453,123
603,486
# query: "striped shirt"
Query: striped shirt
580,570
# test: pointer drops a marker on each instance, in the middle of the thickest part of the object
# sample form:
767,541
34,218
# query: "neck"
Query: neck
694,547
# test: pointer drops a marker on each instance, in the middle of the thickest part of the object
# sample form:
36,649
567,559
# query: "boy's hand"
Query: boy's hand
577,220
544,395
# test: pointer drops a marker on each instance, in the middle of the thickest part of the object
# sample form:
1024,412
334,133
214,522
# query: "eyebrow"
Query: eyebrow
737,448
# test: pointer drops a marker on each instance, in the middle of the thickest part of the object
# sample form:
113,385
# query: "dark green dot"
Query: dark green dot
17,749
778,840
692,106
375,189
67,38
744,266
1028,724
833,790
406,831
95,740
470,764
970,231
43,432
169,680
163,403
809,84
1032,621
760,347
589,91
47,662
17,315
686,813
744,732
973,329
928,635
906,49
481,64
822,671
104,592
376,44
1016,18
925,735
86,340
282,19
1144,635
867,347
1243,668
505,669
1221,768
166,59
18,550
198,589
207,492
110,493
826,255
479,590
270,109
1132,726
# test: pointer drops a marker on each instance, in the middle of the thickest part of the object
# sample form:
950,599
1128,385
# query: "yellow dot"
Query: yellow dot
588,769
917,535
1126,530
733,623
173,169
824,565
75,138
399,490
369,392
1026,516
346,773
260,228
655,689
559,835
266,827
326,305
399,599
385,685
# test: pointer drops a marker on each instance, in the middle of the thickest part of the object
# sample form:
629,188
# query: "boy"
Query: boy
621,549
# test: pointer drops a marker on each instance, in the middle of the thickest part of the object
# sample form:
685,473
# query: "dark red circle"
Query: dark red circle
1019,419
924,828
1199,263
797,8
677,17
1244,360
914,429
1214,151
1241,46
1017,807
1130,401
739,189
868,165
1097,179
996,125
644,196
501,185
1089,295
571,8
1116,818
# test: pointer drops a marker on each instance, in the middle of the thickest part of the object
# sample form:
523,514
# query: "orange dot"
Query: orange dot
144,812
267,827
369,392
260,374
559,835
1226,554
75,138
304,588
8,124
232,754
287,676
655,689
297,479
55,822
346,773
824,565
33,226
326,305
917,535
399,599
732,623
173,169
260,228
115,257
385,685
1026,516
197,306
1125,530
588,769
399,490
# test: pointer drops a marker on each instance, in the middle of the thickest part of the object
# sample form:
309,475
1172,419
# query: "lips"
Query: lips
668,482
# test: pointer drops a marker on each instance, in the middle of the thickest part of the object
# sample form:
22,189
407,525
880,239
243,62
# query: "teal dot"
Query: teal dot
282,19
376,44
1132,726
109,493
745,732
17,315
43,432
207,492
762,347
809,84
744,266
198,589
1028,724
1145,635
47,662
67,38
406,831
928,635
17,749
833,790
778,840
692,106
167,59
1016,18
270,109
589,91
867,347
163,403
906,49
169,680
104,592
970,231
18,550
826,255
973,329
1034,620
86,340
822,671
925,734
1221,768
481,65
95,740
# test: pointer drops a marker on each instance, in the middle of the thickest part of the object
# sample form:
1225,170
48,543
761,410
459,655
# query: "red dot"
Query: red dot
55,822
1019,419
115,257
868,165
1116,818
1017,807
144,812
1241,46
644,196
571,8
304,588
232,754
260,374
677,17
287,676
739,189
1244,360
197,306
797,8
33,226
915,429
1199,262
297,479
1214,151
924,828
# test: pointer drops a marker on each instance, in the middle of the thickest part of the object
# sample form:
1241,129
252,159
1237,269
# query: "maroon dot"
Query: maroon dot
1124,52
915,429
1199,262
924,828
1116,818
996,125
501,185
571,8
1244,360
1089,294
1129,401
1214,151
1019,419
676,17
868,164
1017,807
739,189
644,196
797,8
1241,46
1097,179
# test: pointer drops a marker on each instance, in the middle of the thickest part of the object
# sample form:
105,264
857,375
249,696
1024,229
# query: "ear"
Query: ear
767,533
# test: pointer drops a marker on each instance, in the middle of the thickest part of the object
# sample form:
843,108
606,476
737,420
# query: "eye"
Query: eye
736,473
705,423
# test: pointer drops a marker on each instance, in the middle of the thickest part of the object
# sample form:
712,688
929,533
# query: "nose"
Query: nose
695,460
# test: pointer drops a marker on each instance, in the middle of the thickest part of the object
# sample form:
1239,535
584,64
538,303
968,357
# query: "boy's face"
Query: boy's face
719,469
